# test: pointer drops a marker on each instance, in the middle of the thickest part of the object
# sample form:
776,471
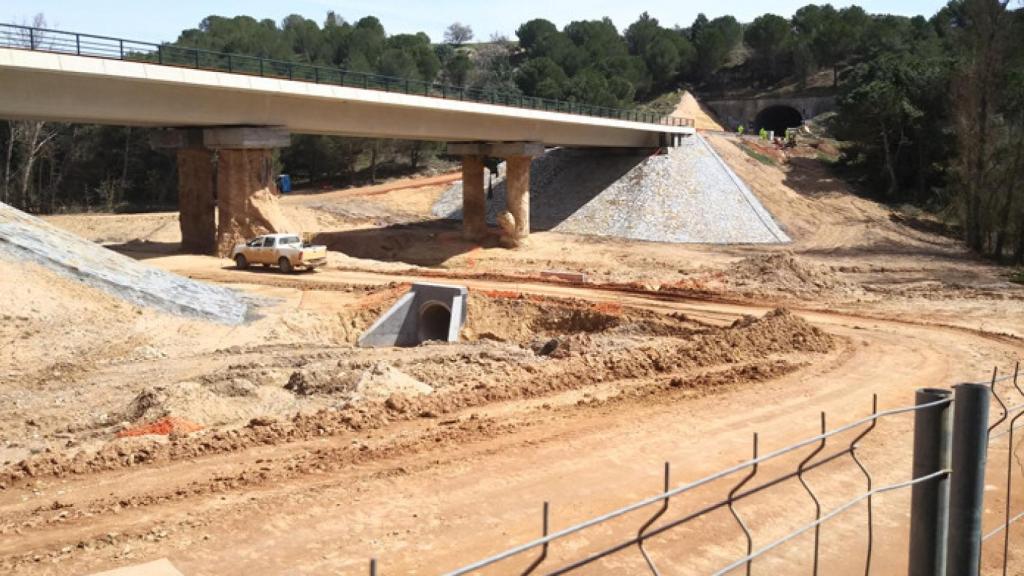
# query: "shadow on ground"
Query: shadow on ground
144,249
430,243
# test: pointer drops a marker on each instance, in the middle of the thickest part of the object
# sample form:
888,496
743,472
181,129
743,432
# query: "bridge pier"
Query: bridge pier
517,186
515,221
474,203
197,200
226,191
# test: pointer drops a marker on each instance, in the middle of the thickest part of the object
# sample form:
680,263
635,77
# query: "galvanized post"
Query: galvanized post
967,485
78,44
31,39
120,44
930,500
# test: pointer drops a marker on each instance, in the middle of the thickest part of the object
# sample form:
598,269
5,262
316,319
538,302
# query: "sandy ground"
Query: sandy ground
314,456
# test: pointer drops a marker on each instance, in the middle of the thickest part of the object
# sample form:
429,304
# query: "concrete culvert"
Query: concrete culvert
435,319
778,118
427,312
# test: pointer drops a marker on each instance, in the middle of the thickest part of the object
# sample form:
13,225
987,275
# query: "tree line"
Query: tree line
931,108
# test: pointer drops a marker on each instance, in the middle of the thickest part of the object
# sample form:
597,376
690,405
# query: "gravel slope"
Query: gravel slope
25,238
686,196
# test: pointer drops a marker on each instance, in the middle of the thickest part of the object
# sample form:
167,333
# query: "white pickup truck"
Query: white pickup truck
286,251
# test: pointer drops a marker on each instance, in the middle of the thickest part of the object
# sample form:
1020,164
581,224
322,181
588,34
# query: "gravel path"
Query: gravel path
25,238
686,196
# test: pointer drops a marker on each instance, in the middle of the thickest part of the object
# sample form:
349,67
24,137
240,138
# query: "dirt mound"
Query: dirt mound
209,403
690,107
377,382
784,273
512,317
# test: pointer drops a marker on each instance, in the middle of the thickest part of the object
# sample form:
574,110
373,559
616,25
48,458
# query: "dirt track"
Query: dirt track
428,487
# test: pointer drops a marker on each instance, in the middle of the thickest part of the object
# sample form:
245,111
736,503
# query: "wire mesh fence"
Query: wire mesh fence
62,42
944,534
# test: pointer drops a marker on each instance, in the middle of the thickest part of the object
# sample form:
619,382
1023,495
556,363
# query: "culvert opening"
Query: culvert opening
778,118
434,322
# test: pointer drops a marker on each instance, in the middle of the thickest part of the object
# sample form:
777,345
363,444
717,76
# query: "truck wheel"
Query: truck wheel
285,265
240,262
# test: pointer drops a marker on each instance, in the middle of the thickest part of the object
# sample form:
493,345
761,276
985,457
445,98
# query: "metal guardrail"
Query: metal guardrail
948,452
62,42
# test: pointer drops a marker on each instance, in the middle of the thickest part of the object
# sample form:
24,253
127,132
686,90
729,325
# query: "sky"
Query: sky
156,21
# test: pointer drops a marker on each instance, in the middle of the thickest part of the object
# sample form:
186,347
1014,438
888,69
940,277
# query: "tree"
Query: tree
493,71
884,111
665,53
458,34
457,69
533,33
541,77
987,101
715,41
770,37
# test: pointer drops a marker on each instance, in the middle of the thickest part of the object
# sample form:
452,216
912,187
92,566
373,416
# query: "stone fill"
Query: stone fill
688,195
25,238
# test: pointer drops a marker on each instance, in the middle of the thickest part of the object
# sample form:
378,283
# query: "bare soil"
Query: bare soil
290,450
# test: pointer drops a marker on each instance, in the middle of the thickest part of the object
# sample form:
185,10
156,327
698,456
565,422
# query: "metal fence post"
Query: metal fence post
967,485
930,500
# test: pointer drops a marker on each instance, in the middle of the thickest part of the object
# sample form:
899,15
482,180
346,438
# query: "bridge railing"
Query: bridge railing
58,41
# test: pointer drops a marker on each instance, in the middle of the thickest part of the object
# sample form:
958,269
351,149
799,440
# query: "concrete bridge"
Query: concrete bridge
775,113
241,117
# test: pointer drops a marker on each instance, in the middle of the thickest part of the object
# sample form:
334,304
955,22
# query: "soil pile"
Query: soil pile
784,273
209,404
690,107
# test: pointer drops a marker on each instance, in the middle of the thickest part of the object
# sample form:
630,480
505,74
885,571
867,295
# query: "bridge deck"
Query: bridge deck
57,86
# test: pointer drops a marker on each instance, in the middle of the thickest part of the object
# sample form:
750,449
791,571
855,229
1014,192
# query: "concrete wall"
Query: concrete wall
732,113
60,87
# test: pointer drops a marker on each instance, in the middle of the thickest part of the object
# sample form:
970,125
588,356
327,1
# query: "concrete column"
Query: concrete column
246,197
517,182
197,201
474,203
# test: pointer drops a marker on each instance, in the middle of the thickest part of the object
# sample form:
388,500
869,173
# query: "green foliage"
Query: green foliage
714,41
771,39
541,77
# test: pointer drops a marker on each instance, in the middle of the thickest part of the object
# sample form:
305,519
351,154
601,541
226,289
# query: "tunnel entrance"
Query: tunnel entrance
778,118
435,320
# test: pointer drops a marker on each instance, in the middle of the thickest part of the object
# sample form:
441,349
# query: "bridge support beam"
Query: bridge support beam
226,190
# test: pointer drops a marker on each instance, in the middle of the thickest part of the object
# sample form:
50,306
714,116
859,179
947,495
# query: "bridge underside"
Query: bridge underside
237,116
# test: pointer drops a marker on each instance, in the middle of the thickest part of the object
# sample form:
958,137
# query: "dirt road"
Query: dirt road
428,495
295,475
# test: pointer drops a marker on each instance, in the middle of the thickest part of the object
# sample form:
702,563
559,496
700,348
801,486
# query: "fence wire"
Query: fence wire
1010,414
739,491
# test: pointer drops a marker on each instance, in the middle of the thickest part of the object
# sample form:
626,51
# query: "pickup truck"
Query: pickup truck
286,251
